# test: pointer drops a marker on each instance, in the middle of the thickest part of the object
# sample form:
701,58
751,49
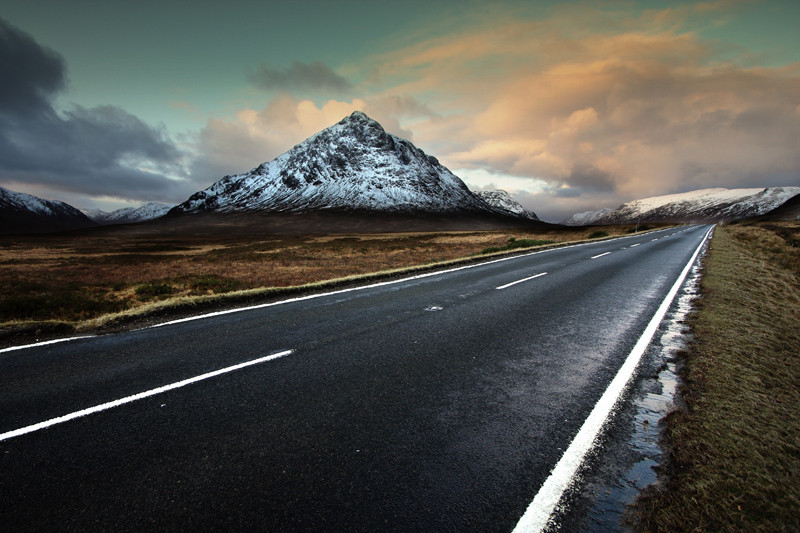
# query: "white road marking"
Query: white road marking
599,255
507,285
538,514
44,343
637,244
139,396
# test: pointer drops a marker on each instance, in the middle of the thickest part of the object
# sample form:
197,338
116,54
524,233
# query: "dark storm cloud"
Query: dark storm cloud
314,76
98,151
31,73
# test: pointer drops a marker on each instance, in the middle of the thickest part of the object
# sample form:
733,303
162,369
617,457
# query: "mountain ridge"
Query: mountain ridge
701,205
25,213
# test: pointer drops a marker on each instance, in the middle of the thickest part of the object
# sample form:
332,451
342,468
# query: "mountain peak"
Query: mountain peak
360,119
354,165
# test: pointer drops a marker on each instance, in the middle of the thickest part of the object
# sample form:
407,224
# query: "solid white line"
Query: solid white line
141,395
637,244
520,281
537,516
43,343
599,255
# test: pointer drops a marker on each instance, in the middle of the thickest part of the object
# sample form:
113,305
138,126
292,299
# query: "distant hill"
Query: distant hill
352,166
703,205
129,215
25,213
586,217
500,199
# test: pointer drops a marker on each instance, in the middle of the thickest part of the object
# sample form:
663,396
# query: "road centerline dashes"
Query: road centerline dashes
599,255
146,394
507,285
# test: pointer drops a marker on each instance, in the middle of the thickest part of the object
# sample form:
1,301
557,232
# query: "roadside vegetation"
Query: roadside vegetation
85,280
735,446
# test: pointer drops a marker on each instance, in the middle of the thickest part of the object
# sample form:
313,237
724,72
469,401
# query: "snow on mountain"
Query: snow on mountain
129,215
500,199
701,205
353,165
25,213
587,217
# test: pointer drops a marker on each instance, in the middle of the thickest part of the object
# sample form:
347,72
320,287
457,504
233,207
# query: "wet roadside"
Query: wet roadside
630,450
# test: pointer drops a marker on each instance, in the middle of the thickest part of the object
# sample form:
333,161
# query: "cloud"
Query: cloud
604,106
31,74
94,151
315,76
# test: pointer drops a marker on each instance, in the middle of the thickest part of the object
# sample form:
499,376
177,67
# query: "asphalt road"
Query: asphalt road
438,403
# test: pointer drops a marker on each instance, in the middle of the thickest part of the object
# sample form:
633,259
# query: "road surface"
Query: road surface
437,403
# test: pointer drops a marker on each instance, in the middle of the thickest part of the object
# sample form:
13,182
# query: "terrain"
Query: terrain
48,281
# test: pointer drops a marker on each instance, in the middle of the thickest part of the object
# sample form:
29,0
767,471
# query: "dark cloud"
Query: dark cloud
31,74
97,151
315,76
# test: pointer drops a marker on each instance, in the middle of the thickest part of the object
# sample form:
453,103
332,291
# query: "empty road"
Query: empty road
437,403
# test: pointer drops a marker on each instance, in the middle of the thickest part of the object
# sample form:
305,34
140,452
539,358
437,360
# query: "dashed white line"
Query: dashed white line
637,244
141,395
537,516
520,281
599,255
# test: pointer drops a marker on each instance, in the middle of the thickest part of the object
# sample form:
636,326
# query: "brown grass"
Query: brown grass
735,449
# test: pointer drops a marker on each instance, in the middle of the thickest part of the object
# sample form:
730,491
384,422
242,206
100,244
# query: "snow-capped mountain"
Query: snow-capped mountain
25,213
700,205
587,217
500,199
129,215
353,165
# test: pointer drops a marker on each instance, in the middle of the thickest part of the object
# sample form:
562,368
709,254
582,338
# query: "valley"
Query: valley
92,277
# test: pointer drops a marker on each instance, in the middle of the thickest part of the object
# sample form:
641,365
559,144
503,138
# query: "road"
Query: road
437,403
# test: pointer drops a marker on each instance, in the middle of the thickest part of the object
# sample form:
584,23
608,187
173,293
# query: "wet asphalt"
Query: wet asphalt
438,403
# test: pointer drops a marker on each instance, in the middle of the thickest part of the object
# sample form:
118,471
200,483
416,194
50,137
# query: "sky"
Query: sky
569,106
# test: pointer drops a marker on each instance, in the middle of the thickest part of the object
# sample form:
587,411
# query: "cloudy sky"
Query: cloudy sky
569,106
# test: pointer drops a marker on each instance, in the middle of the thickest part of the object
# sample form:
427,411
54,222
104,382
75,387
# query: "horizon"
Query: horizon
568,106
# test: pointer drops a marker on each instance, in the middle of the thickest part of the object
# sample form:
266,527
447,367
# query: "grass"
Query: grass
735,448
79,279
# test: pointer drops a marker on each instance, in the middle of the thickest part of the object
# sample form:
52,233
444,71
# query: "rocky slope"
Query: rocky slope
501,200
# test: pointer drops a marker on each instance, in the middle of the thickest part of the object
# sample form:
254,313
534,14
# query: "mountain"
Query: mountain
587,217
352,166
129,215
700,206
500,199
25,213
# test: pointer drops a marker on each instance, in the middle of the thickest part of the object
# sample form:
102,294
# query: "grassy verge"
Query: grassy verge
735,447
52,284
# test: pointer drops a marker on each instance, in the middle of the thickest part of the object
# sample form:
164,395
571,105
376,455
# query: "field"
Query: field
88,279
735,448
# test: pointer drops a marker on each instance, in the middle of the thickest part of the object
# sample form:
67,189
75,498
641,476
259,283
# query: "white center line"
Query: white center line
141,395
637,244
599,255
520,281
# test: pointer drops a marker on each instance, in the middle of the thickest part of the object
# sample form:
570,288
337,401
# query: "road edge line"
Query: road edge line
539,512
